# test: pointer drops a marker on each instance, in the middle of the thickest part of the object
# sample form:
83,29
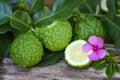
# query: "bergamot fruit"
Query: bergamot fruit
26,50
88,26
55,36
75,56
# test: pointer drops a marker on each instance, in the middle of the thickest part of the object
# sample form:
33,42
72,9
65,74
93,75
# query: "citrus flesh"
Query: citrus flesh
74,55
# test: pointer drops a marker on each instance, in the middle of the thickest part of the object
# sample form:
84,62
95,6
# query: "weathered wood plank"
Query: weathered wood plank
57,71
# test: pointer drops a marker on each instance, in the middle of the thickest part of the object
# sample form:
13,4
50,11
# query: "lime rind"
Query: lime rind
86,62
80,66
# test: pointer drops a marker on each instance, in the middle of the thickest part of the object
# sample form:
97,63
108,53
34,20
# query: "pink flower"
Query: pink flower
95,44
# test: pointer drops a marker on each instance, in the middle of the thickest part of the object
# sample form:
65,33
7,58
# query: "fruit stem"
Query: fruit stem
33,31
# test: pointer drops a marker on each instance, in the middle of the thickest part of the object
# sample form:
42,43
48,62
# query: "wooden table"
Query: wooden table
58,71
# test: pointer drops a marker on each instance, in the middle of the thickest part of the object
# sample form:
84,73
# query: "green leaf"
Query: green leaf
34,5
109,57
112,27
5,10
14,2
41,14
110,69
20,21
100,64
5,28
111,21
50,58
117,67
63,9
112,6
88,6
117,41
5,41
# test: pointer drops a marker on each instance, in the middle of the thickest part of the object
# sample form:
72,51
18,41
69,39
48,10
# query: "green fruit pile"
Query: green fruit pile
27,49
88,26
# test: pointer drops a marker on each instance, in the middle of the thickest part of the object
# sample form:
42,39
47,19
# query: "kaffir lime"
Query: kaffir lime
26,50
88,26
75,56
55,36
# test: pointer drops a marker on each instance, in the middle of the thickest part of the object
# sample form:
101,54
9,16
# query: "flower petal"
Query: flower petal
87,47
101,53
93,40
100,42
93,56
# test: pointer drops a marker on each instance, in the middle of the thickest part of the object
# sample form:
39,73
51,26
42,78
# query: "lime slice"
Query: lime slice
74,55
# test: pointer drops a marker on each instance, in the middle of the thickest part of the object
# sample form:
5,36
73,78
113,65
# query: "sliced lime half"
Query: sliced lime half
74,55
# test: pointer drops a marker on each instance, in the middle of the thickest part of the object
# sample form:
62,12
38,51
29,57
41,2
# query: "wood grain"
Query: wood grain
58,71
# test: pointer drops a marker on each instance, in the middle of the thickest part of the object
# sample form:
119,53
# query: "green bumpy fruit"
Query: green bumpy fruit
88,26
56,36
26,50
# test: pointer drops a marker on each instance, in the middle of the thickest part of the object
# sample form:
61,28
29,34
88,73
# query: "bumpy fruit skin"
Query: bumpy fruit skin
56,36
26,50
88,26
